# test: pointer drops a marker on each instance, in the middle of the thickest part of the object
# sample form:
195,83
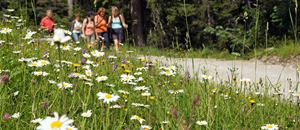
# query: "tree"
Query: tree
137,14
70,8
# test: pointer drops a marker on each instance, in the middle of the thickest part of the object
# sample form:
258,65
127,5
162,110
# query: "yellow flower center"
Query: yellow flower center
127,71
168,72
56,124
43,62
108,96
146,129
76,65
34,64
269,126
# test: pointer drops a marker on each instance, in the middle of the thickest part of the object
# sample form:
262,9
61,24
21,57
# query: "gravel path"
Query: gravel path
253,70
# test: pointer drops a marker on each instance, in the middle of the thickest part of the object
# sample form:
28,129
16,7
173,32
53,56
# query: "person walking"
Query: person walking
47,23
88,29
101,28
117,22
76,28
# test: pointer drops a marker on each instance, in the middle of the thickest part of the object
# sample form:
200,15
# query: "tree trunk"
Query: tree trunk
137,14
70,8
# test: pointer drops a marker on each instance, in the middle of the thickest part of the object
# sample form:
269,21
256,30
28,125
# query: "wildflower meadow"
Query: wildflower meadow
63,85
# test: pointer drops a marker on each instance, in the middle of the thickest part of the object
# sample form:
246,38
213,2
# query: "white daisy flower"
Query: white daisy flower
87,114
112,57
246,80
64,85
86,55
206,77
146,94
140,105
5,30
129,51
66,48
52,81
141,88
86,67
72,128
135,117
88,73
89,62
142,69
168,73
270,127
77,49
123,92
16,93
40,73
107,98
16,115
66,62
127,78
39,63
101,78
55,123
89,83
202,123
97,54
59,36
116,107
34,64
165,122
176,91
16,52
140,79
138,73
38,120
43,62
146,127
260,104
10,10
29,35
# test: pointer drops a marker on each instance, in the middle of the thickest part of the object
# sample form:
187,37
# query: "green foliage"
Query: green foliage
166,25
223,106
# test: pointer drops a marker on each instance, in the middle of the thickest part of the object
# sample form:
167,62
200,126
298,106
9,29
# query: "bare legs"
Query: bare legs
103,46
117,44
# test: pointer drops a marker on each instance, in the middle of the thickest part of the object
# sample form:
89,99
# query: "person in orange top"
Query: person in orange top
47,23
101,27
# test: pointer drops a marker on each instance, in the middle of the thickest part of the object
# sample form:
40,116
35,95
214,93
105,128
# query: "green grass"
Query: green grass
285,50
289,49
175,53
222,106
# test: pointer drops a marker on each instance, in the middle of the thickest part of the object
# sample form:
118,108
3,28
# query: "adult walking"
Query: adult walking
76,28
88,28
47,23
117,23
101,28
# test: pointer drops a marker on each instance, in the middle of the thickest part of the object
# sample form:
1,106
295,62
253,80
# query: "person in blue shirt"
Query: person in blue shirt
117,24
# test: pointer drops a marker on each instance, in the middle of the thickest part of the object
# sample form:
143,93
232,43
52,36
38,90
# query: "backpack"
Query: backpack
72,25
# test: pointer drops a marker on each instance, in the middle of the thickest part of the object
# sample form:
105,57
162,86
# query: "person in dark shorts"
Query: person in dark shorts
101,28
117,23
